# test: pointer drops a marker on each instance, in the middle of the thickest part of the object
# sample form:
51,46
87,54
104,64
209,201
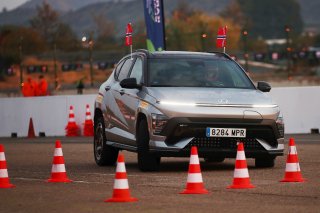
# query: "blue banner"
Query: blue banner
154,18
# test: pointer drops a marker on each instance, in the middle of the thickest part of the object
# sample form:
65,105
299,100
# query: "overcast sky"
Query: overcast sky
11,4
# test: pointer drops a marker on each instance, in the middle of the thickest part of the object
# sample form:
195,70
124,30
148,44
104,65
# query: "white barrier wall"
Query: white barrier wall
49,114
300,107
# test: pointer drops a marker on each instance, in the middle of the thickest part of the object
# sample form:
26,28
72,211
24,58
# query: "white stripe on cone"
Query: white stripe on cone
194,159
88,117
72,120
58,152
2,156
293,150
3,173
121,184
292,167
58,168
194,178
241,155
121,167
241,173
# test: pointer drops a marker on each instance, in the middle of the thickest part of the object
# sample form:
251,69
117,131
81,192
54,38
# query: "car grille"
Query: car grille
225,143
264,133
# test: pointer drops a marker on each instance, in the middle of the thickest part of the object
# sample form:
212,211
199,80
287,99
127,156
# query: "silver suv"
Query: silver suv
160,104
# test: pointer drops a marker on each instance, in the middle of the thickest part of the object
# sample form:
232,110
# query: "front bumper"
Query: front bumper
263,138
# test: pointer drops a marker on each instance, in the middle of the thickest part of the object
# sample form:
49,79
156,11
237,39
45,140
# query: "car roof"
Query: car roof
177,54
184,54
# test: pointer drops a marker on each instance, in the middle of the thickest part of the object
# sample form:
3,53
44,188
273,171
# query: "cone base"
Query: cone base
122,199
193,191
5,186
59,181
247,186
295,180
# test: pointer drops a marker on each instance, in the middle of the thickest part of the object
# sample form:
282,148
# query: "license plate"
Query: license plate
226,132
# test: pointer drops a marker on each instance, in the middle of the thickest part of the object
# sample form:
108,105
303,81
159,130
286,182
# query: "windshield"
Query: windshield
197,72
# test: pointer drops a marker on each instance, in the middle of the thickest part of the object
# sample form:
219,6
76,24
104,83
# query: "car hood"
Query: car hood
209,96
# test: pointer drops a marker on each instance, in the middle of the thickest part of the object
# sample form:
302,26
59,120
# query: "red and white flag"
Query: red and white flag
129,35
222,37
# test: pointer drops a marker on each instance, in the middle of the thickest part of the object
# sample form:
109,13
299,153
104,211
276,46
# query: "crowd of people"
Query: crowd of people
32,88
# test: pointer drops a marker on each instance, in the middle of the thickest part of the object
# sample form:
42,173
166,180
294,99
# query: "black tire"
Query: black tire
104,155
265,162
146,160
214,159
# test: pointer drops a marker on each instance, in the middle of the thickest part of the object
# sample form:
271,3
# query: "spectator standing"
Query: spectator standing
42,89
80,86
29,88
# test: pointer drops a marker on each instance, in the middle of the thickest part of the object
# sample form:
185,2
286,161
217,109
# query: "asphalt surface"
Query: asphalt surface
29,165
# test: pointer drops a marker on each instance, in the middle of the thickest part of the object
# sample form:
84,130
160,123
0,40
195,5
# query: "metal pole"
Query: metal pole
245,46
55,66
20,57
90,58
203,37
288,50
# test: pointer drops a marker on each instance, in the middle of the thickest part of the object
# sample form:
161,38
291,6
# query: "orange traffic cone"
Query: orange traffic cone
292,172
72,129
4,178
31,133
194,180
58,171
121,191
88,124
241,178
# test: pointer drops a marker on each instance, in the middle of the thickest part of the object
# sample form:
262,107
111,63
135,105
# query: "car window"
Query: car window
137,70
125,70
197,72
118,68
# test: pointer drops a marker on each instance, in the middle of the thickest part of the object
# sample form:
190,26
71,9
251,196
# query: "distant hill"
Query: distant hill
123,12
63,5
79,13
310,13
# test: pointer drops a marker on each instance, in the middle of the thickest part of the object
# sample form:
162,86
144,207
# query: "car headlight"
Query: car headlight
280,125
158,123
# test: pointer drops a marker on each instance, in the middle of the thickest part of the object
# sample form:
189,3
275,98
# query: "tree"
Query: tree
14,37
267,19
198,31
52,30
46,22
105,31
65,39
234,13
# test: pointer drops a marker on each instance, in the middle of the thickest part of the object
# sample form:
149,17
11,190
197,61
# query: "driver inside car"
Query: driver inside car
212,73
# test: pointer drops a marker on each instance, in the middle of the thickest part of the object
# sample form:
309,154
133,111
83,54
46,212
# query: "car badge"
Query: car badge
223,101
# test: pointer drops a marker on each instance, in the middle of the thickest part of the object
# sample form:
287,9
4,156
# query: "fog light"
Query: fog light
158,123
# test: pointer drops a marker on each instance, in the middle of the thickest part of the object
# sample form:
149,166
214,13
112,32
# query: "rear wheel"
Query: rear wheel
103,154
265,162
146,160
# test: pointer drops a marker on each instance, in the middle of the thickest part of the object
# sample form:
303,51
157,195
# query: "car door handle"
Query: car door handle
121,91
107,88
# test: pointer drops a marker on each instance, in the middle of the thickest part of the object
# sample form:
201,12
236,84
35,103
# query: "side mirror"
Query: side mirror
263,86
130,83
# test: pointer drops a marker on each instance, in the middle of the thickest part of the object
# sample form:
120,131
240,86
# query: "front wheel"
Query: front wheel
146,160
104,155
